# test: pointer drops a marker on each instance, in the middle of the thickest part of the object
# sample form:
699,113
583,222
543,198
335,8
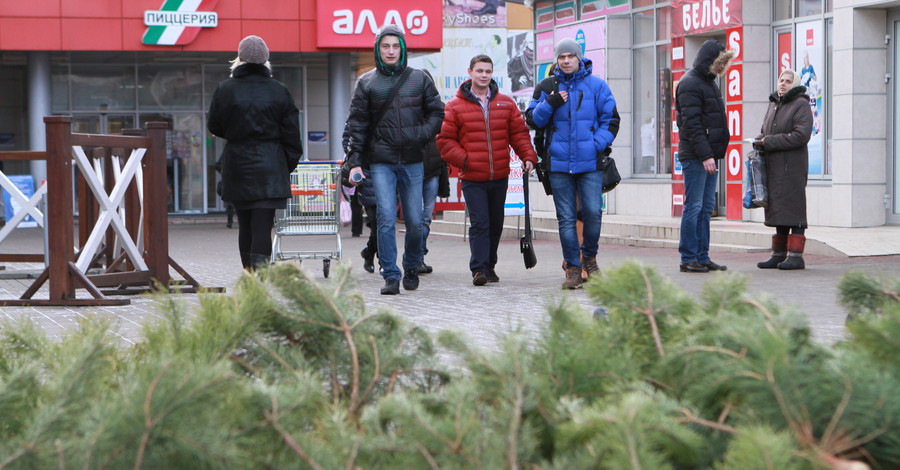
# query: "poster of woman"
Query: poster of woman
809,45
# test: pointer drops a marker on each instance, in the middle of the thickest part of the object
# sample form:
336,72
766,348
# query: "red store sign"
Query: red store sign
353,24
700,16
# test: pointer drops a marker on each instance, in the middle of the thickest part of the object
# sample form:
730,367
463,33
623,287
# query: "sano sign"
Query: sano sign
353,24
700,16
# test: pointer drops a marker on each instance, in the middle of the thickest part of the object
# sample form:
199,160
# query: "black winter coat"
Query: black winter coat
257,117
787,129
408,126
700,110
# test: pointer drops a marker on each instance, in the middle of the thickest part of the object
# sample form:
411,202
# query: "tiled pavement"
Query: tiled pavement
446,298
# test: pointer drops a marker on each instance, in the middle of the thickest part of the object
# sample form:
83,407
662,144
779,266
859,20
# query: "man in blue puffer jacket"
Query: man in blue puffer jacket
579,114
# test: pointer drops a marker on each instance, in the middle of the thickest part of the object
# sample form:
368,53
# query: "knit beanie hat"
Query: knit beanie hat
568,46
253,50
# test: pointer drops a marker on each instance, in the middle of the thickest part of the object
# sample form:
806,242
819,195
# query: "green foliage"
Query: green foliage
291,373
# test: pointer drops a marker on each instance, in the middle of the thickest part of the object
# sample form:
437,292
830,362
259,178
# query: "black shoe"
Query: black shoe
694,267
479,279
355,235
410,279
492,276
391,287
368,260
772,262
712,266
792,262
486,10
424,268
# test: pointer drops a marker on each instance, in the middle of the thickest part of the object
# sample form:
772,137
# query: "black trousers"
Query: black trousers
255,230
485,201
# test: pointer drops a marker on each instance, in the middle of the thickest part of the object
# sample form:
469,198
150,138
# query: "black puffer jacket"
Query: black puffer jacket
412,121
700,110
257,116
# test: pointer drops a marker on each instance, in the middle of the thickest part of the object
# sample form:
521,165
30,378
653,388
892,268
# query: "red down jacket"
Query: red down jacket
465,143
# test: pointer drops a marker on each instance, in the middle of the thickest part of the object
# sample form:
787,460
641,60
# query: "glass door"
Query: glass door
892,180
186,175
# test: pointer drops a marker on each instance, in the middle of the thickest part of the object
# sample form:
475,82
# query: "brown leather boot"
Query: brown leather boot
795,246
590,267
779,252
573,278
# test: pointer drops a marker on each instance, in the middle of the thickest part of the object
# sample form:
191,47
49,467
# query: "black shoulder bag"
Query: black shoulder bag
525,245
373,123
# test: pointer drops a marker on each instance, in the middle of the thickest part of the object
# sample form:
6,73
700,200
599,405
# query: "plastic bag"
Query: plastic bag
757,193
346,212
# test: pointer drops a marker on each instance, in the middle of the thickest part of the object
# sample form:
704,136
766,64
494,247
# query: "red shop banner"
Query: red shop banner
353,24
700,16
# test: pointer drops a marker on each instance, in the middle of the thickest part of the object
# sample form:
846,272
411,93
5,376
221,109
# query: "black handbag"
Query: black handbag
525,245
607,165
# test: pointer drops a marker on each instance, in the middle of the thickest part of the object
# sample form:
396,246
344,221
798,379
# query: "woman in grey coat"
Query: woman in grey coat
786,130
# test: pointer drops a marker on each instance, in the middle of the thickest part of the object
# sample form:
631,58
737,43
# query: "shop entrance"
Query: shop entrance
691,47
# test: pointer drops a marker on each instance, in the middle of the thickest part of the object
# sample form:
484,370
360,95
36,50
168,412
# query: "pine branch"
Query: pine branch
272,418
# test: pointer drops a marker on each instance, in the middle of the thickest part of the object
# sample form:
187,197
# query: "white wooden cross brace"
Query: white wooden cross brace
139,181
27,206
109,209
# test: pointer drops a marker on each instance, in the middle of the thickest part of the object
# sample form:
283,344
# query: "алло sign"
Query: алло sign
353,24
178,22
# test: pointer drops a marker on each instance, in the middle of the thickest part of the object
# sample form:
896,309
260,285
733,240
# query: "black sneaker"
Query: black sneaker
410,279
492,276
479,279
391,287
712,266
693,267
424,268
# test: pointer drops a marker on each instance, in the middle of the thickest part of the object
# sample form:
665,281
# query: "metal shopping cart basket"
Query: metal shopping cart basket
313,209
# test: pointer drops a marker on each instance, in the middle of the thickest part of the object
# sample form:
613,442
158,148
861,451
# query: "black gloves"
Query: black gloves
555,100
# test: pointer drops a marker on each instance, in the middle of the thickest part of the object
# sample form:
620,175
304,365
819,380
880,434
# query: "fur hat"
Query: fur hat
568,46
253,50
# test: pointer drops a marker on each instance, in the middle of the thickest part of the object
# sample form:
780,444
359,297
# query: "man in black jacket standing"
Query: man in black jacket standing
393,147
703,140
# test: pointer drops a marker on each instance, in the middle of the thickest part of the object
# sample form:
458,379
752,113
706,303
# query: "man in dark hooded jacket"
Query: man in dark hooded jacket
703,140
393,149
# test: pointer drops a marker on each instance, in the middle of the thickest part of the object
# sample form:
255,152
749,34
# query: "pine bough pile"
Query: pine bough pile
291,373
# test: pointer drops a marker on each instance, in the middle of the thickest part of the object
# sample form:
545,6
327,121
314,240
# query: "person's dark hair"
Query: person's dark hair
480,58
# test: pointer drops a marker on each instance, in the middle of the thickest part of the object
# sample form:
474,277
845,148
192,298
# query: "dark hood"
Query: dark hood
708,53
390,30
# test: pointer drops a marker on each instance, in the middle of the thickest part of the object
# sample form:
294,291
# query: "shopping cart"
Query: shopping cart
313,209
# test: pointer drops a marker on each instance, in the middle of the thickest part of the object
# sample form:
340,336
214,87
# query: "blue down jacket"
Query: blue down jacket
580,128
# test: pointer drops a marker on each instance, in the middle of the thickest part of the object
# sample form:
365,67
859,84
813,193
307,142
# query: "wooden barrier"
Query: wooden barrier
125,207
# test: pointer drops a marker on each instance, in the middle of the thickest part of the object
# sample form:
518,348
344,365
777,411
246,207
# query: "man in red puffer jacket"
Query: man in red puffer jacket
480,125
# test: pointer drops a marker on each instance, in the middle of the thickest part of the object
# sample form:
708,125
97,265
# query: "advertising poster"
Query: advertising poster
474,14
596,8
520,68
810,60
25,184
515,192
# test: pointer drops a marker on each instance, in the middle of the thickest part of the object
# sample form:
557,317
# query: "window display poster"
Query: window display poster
809,43
545,46
596,8
475,14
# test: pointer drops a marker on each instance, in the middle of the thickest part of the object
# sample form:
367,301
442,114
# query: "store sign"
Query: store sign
700,16
178,22
354,24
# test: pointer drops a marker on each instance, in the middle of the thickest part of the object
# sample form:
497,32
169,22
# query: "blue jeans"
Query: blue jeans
567,190
699,202
485,201
389,180
429,198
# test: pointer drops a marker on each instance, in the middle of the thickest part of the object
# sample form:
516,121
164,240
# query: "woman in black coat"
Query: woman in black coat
786,130
257,117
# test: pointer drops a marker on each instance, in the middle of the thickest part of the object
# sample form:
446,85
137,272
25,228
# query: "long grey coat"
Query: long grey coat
787,128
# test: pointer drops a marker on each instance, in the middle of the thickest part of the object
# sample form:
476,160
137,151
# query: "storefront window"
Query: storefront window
170,87
781,9
645,138
59,89
644,26
184,159
829,50
642,3
102,87
809,7
664,24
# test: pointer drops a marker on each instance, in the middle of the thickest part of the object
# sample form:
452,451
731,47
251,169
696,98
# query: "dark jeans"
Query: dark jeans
485,201
699,202
255,230
356,219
